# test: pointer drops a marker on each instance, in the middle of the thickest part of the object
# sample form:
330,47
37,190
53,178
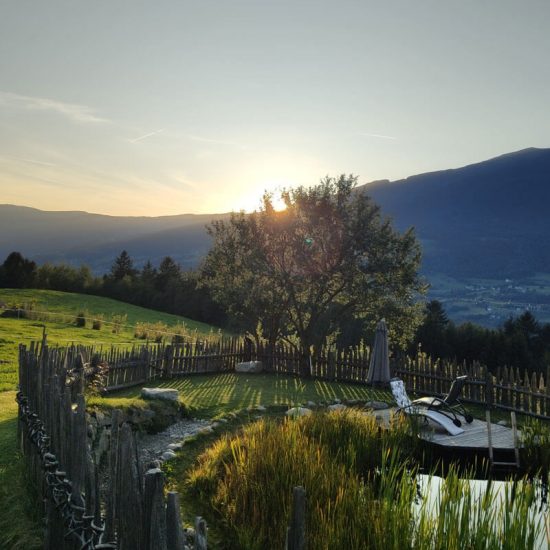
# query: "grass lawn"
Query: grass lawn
214,395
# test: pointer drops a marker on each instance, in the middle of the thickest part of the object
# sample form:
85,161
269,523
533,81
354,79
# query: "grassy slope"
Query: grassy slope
61,329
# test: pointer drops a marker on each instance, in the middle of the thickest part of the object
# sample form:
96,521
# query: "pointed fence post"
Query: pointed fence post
175,537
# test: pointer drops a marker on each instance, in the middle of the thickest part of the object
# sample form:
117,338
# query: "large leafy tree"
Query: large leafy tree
328,256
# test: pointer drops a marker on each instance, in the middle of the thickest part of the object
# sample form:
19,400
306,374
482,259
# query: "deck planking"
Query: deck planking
474,437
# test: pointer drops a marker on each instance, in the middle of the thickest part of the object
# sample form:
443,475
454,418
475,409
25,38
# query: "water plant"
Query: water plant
379,501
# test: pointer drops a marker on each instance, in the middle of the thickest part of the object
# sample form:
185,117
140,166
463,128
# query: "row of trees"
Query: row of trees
520,342
165,288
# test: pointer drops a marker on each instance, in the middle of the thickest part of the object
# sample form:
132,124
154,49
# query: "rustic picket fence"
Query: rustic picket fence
506,388
121,506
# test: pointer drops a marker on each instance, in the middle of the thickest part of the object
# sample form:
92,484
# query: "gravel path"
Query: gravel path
160,445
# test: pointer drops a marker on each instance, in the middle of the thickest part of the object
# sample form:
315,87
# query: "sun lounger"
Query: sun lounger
450,404
408,407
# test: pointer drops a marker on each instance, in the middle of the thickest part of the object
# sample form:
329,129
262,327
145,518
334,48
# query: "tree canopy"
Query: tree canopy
328,257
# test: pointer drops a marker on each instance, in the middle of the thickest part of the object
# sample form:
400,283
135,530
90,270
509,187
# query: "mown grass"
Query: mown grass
213,395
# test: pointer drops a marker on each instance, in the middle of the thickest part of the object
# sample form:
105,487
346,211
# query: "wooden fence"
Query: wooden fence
121,506
506,388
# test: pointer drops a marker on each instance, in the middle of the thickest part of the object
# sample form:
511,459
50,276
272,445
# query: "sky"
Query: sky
134,107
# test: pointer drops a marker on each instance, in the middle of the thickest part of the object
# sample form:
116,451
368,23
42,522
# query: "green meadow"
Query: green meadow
57,311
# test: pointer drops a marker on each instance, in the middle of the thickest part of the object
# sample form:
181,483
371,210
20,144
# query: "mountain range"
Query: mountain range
487,221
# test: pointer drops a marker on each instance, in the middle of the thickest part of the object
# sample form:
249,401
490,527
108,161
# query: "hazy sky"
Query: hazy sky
163,107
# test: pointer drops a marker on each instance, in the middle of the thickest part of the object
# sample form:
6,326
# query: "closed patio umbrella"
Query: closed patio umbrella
379,365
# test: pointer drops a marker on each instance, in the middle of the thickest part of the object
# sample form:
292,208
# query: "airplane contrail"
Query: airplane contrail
146,135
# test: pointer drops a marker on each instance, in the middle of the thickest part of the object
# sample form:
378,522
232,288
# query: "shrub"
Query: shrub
80,320
97,322
118,321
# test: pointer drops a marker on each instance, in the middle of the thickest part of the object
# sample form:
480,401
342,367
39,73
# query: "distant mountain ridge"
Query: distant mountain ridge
483,220
80,237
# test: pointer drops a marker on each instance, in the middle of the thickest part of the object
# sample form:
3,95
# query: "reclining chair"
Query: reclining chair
449,405
438,411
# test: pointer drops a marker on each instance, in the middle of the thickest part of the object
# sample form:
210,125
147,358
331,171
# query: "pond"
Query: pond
512,514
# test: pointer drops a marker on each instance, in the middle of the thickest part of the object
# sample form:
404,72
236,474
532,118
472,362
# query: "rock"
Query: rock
223,420
502,423
376,405
298,411
311,404
260,408
168,455
168,394
206,430
336,401
215,424
352,402
249,367
175,446
336,407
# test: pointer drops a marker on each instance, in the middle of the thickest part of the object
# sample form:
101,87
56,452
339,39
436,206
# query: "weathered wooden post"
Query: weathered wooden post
110,527
129,494
331,365
296,532
175,538
488,388
154,513
200,534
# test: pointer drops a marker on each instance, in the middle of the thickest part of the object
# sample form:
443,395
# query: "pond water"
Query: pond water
487,504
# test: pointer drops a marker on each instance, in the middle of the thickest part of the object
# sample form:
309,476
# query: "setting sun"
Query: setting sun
254,202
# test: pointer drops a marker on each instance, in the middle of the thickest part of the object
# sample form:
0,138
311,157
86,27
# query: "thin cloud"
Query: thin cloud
140,138
72,111
216,141
37,162
379,136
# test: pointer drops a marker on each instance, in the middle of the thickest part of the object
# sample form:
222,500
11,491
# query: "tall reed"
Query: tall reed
363,491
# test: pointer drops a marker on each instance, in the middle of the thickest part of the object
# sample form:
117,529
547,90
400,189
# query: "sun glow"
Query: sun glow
254,202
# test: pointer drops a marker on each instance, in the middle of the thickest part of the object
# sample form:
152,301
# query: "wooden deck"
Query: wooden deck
474,437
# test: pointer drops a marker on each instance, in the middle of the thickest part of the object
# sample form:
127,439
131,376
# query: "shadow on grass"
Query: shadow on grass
213,394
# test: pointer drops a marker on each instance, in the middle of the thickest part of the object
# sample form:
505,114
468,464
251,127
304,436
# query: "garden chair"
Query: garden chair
408,407
450,404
